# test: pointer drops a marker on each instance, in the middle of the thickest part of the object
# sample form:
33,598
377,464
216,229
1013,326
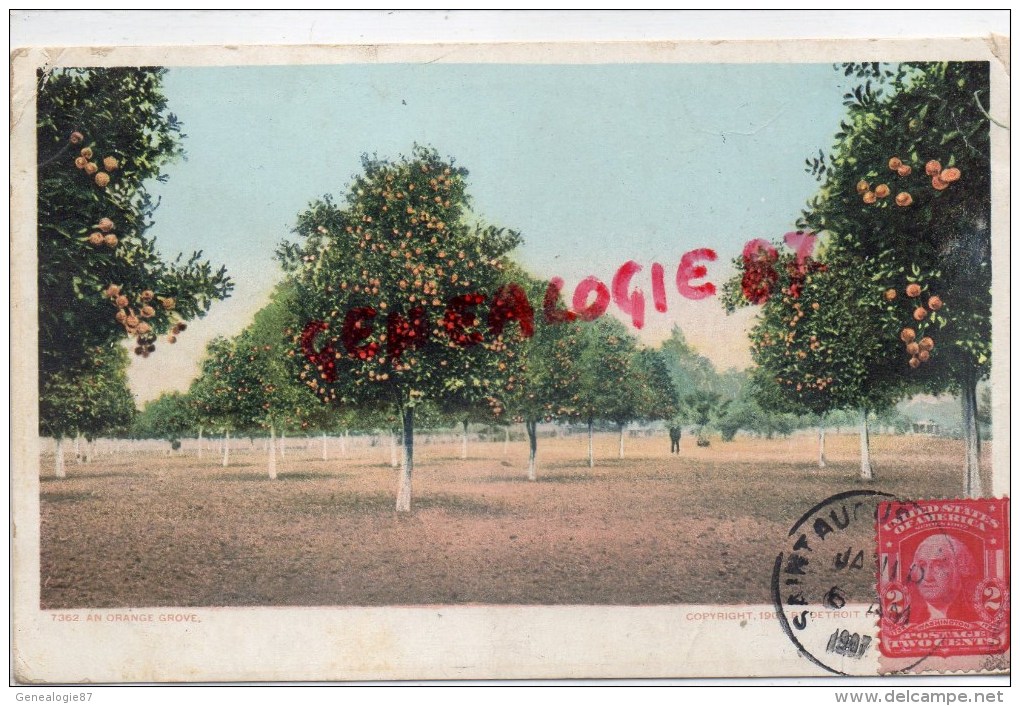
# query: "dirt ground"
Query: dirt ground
705,526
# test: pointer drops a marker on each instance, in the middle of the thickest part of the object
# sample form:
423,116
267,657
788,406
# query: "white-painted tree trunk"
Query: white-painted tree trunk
404,489
591,444
532,447
283,443
272,452
200,442
343,444
77,448
972,487
226,448
59,470
622,428
821,446
325,450
506,441
463,441
867,473
394,462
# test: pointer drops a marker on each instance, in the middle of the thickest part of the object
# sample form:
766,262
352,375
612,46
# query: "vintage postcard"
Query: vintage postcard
516,361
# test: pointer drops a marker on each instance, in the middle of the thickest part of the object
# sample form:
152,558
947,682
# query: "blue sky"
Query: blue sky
594,164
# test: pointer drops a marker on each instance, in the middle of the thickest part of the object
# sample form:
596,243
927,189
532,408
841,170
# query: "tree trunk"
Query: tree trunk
59,469
393,450
226,448
343,444
272,452
532,427
77,448
463,442
325,454
866,471
591,447
283,443
404,491
506,440
623,426
821,446
972,469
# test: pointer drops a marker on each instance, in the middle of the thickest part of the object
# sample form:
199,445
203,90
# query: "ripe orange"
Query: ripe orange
904,170
169,304
120,316
881,191
935,303
904,199
110,164
76,138
80,162
869,197
914,362
913,348
932,168
895,163
938,184
913,290
110,240
147,295
132,321
105,225
924,356
143,327
816,306
950,175
907,335
890,294
102,179
96,239
926,343
91,168
112,291
920,313
121,301
147,312
86,152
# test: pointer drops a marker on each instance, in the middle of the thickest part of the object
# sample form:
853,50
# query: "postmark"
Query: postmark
944,578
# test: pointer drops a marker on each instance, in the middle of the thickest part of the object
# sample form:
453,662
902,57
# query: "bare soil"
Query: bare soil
700,527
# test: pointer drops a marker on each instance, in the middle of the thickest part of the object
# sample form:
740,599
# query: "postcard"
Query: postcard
510,361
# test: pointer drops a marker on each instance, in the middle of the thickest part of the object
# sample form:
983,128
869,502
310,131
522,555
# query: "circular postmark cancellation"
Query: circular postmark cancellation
943,582
823,583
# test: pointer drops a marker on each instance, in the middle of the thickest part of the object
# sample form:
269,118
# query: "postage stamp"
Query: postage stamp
944,578
510,361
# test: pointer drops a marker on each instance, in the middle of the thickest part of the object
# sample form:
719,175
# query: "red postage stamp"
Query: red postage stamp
944,577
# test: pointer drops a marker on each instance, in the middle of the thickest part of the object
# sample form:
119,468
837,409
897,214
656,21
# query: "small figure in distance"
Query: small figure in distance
674,438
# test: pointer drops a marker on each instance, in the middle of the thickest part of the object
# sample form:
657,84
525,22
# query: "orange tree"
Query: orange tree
399,292
817,341
101,135
170,416
906,193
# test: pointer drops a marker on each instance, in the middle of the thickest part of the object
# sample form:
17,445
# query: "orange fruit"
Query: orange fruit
881,191
76,138
147,295
932,168
102,179
926,343
110,164
105,225
890,294
86,152
895,163
169,304
914,362
869,197
950,175
143,327
913,290
862,186
913,348
132,321
112,291
121,301
938,184
816,306
907,335
924,356
904,199
171,339
920,313
120,316
147,312
91,168
110,240
80,162
935,303
96,239
904,170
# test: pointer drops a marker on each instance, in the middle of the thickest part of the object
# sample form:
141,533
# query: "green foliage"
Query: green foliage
93,399
398,252
94,293
606,388
169,417
688,370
